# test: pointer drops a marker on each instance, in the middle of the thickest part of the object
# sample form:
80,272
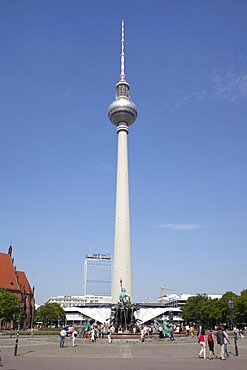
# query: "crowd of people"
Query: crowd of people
92,333
206,338
221,337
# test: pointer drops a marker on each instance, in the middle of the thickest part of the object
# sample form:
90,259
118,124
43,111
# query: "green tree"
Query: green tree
50,313
244,292
240,309
210,312
225,310
9,306
191,311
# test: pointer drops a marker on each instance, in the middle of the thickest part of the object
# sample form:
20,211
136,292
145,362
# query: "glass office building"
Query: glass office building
97,274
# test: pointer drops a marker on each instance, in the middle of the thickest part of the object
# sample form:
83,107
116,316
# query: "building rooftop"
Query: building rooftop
23,282
8,279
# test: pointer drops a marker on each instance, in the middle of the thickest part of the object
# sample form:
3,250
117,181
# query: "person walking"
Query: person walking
109,333
226,340
236,336
220,341
93,334
201,340
142,334
62,335
187,328
73,337
171,334
210,342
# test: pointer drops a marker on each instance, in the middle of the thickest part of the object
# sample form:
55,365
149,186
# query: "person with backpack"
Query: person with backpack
210,342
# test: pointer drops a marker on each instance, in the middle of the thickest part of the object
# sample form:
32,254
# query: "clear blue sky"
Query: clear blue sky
186,62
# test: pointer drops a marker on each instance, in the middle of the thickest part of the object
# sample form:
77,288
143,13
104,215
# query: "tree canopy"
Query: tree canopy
206,311
50,314
9,305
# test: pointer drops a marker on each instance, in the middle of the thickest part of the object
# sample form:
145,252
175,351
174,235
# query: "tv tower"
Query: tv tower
122,113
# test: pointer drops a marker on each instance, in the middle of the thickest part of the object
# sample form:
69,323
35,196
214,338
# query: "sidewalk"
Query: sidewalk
43,353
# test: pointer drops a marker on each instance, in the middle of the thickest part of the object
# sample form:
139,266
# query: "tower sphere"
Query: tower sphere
122,109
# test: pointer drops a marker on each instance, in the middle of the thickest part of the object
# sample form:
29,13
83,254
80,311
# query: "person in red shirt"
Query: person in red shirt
201,340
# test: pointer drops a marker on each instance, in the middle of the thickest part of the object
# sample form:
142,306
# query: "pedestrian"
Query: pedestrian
171,335
201,340
93,334
187,328
161,334
210,342
220,341
62,335
143,332
109,333
236,336
85,335
226,340
73,337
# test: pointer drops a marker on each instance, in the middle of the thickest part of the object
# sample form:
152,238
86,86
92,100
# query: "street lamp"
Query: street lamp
230,305
21,305
235,334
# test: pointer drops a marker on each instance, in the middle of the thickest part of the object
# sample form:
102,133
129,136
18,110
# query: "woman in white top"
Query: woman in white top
93,334
73,337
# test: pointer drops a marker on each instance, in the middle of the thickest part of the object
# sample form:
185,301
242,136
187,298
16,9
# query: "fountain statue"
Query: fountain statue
122,314
165,329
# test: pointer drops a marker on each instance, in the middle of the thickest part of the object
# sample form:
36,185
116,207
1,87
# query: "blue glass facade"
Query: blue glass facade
97,275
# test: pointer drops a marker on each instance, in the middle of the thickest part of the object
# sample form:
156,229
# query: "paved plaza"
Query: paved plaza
43,352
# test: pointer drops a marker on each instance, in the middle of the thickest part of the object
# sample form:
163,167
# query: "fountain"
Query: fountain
123,313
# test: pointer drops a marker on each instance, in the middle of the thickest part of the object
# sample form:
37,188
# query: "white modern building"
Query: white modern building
175,300
78,315
67,301
98,308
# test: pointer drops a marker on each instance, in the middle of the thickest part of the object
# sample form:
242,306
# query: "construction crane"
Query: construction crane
162,290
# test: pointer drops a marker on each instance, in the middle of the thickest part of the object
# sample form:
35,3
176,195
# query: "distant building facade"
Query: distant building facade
79,309
16,282
175,300
67,301
97,274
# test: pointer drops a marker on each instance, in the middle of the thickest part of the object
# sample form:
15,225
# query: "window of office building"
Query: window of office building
97,275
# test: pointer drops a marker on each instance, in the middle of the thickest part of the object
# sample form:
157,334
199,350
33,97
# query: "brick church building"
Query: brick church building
16,282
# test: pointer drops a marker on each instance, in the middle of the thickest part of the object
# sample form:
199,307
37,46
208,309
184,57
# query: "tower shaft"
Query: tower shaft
122,270
122,113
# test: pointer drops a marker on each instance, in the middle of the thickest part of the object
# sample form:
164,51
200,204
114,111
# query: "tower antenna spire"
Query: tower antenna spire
122,75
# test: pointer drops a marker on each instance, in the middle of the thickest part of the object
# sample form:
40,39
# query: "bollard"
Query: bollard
1,364
16,343
236,345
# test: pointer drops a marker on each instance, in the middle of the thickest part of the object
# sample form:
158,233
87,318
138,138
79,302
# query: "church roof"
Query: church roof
8,278
23,282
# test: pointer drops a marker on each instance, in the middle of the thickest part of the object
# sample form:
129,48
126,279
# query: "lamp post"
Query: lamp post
235,334
21,305
230,305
